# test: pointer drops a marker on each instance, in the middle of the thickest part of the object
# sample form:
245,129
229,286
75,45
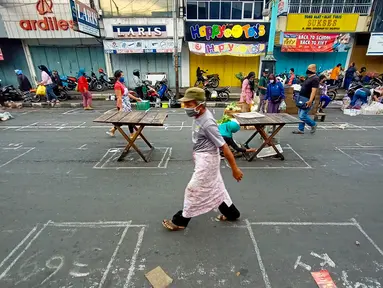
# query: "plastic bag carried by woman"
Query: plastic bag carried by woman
41,90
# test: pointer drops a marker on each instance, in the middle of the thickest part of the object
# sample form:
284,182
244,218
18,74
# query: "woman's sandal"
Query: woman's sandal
168,224
221,218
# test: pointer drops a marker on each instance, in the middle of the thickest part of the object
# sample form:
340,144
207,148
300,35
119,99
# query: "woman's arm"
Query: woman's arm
131,96
119,98
237,173
244,85
268,93
282,90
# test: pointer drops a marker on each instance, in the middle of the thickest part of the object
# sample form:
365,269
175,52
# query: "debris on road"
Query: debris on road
357,243
323,279
158,278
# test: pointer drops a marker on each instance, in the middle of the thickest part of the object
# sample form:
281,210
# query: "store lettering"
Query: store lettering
223,31
322,23
46,24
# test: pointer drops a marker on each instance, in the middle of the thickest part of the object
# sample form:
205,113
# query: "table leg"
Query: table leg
143,137
268,140
246,144
131,143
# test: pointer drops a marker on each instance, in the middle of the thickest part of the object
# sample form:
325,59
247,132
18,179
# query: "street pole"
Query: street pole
269,61
175,39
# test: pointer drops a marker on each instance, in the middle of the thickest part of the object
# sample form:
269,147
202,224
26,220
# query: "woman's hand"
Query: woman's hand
237,174
251,150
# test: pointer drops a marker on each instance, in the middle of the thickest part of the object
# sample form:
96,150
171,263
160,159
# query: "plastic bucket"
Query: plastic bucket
165,105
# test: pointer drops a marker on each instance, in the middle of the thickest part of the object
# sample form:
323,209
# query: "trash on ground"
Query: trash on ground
343,126
269,151
323,279
357,243
158,278
4,116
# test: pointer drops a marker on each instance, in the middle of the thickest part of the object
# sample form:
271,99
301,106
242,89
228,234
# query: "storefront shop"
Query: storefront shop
368,49
46,30
147,47
225,49
323,39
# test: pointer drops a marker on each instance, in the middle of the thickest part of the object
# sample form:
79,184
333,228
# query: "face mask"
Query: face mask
308,72
271,81
192,112
122,79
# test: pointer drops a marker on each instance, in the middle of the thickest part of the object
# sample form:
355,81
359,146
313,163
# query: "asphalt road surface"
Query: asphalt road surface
72,216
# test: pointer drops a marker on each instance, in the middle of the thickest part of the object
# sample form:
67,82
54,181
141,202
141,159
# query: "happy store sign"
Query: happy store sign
197,31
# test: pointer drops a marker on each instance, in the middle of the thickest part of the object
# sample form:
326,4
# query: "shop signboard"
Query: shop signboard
223,31
140,46
283,7
85,19
322,22
375,47
315,42
231,49
139,31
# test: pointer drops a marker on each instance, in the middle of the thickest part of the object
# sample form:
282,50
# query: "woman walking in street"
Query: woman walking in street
123,103
247,92
206,190
275,94
46,80
350,74
83,88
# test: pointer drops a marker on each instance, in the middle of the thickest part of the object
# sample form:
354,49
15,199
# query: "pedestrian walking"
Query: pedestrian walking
275,94
206,190
350,74
123,103
138,85
46,80
292,79
324,99
24,84
308,91
83,88
262,86
247,93
334,76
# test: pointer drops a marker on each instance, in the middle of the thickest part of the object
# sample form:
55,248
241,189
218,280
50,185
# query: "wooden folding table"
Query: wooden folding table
274,119
139,120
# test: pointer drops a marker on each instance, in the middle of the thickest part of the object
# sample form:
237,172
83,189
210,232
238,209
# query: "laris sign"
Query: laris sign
224,31
44,7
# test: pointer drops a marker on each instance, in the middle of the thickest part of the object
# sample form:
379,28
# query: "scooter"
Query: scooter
108,84
10,93
220,94
69,82
30,96
94,83
211,81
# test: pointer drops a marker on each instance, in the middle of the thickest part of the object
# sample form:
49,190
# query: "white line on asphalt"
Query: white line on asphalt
102,158
299,156
304,223
18,246
113,256
132,267
71,111
17,157
23,127
23,251
82,147
349,156
366,235
256,249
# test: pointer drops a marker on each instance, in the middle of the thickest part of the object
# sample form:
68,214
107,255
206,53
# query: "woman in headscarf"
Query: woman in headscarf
227,130
123,102
46,80
275,93
83,88
247,93
24,84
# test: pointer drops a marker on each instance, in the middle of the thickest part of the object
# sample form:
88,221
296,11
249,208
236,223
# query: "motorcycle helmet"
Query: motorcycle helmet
136,72
100,70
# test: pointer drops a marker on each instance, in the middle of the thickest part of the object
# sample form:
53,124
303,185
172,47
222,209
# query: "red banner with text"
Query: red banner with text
315,42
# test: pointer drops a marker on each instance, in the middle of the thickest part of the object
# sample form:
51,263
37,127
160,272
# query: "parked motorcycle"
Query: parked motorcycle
220,94
163,90
70,82
94,83
10,93
211,81
108,84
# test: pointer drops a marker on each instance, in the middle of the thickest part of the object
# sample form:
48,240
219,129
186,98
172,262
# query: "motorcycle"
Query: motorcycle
220,94
163,90
10,93
70,82
108,84
30,96
94,83
211,81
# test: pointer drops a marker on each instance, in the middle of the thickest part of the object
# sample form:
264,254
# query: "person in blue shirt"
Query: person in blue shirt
227,130
275,94
360,94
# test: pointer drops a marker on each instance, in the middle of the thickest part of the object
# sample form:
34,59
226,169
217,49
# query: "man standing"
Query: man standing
206,190
309,90
262,86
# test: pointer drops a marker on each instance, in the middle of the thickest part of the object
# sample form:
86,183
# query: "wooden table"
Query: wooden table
277,119
139,119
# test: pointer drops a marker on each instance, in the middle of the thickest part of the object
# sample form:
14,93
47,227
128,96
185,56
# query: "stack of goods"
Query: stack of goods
231,109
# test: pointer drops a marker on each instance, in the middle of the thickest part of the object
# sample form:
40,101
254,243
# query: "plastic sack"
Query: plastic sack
41,90
346,102
256,100
254,108
282,106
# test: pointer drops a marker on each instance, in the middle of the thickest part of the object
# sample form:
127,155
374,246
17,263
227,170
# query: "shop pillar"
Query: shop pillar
269,61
